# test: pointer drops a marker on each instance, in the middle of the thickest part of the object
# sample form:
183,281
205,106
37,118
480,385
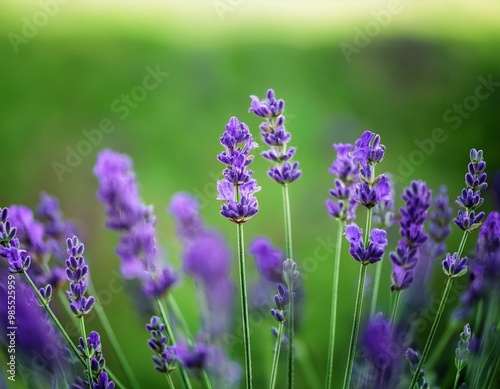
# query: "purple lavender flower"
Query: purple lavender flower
470,199
417,199
118,191
77,273
269,259
439,220
237,188
192,357
375,250
49,213
488,246
413,358
30,232
454,267
343,206
100,379
367,153
164,356
137,248
18,259
281,299
275,135
185,209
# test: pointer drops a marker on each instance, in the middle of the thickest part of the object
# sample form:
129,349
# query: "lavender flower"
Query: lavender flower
185,209
49,213
77,273
192,357
275,135
281,299
375,250
137,248
417,199
367,153
30,232
164,356
413,357
269,259
439,220
454,267
100,379
343,206
470,199
488,246
462,352
237,188
118,191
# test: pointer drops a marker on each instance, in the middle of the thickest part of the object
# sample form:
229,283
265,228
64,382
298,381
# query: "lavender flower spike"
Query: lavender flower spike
77,273
471,199
100,379
343,205
275,135
237,188
158,343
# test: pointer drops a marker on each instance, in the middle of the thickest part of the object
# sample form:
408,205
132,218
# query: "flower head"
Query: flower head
77,273
470,199
275,135
185,209
269,259
375,249
368,152
454,267
164,356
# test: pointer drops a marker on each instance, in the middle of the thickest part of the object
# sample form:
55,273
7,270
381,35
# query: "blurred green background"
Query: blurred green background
401,70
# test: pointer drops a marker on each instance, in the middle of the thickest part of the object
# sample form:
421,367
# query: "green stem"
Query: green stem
395,308
291,309
277,349
244,305
174,308
169,380
84,337
333,319
355,325
171,338
108,329
376,287
432,333
206,380
457,376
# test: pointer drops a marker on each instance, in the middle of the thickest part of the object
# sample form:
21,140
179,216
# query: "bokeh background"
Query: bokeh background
401,69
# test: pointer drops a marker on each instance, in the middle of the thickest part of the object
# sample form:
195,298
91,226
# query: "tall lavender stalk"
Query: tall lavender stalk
454,265
369,191
237,190
342,208
284,172
417,199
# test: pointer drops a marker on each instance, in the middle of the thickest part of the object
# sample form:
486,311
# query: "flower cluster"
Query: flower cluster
413,358
193,357
281,299
417,199
375,248
343,205
100,379
367,153
439,224
462,351
269,259
470,199
77,273
275,135
164,357
18,259
237,188
137,249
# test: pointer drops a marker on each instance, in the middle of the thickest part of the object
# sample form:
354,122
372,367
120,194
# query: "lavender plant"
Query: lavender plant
31,245
275,135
